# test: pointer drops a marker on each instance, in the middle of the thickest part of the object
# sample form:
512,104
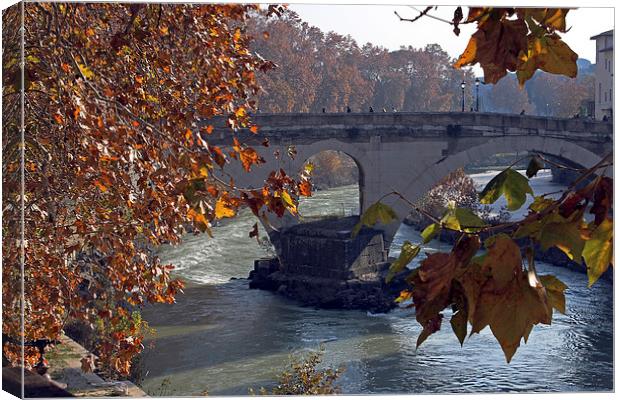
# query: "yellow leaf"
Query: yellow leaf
288,202
222,208
598,250
87,72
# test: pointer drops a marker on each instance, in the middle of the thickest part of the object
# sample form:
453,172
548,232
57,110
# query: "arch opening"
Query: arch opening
337,183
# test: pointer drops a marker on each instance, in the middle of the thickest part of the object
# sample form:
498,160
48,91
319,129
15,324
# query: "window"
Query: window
609,94
600,89
605,96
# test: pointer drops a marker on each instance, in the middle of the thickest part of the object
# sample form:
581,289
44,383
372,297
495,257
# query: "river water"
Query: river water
222,337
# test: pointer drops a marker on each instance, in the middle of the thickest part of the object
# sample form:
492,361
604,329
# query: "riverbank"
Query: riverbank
66,369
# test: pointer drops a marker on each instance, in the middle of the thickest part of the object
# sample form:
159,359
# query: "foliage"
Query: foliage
495,288
520,40
303,378
319,70
117,159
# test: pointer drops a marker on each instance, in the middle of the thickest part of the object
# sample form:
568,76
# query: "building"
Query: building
604,75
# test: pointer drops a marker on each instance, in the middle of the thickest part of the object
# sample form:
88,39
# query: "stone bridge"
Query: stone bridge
410,152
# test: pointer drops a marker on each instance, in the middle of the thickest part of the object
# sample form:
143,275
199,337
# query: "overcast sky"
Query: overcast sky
378,25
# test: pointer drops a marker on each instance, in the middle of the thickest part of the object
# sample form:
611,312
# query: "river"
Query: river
222,337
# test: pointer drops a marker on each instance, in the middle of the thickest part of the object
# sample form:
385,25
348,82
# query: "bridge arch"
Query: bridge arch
558,148
427,178
353,151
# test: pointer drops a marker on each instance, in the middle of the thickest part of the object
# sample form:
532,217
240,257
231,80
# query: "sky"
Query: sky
379,25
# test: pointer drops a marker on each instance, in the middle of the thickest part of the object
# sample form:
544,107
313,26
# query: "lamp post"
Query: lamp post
463,96
477,87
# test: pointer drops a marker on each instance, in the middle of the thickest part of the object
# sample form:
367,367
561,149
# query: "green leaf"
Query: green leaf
535,165
599,250
378,212
540,203
509,183
407,253
430,232
565,236
468,220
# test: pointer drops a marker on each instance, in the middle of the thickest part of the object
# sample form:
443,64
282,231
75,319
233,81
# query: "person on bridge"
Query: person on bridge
348,109
323,110
393,109
371,109
384,110
522,112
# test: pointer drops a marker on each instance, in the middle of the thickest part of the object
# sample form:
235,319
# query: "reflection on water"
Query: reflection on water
225,338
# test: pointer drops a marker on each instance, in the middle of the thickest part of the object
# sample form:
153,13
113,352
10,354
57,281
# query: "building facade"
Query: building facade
604,75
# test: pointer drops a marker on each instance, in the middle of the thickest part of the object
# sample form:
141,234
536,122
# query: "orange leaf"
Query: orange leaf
101,186
212,190
305,189
58,118
254,129
248,157
218,156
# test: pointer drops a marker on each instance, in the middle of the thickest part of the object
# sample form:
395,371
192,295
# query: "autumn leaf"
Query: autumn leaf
288,202
555,292
254,232
101,186
496,45
509,183
223,208
378,212
598,251
467,220
218,155
548,53
86,72
459,321
249,157
535,165
407,253
602,198
305,188
565,235
430,232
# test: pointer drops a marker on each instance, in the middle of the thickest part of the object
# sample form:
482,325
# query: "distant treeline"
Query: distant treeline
326,71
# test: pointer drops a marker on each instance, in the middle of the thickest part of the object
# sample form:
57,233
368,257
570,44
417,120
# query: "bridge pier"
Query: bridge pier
320,264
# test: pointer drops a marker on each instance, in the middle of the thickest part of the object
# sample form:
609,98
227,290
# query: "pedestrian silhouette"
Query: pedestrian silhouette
348,109
522,112
384,110
604,117
371,109
393,109
323,110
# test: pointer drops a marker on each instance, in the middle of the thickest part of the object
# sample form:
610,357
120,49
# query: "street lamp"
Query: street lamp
477,87
463,96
